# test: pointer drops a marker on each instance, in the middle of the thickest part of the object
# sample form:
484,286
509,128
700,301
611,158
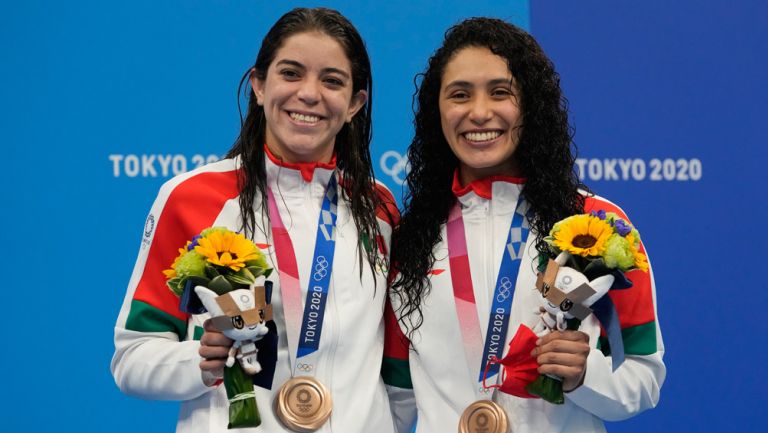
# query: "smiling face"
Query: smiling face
307,97
480,113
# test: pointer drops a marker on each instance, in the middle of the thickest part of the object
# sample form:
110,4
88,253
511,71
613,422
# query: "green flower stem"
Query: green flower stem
548,388
242,413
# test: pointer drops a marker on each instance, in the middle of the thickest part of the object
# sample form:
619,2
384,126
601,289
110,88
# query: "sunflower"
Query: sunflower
641,261
584,235
227,249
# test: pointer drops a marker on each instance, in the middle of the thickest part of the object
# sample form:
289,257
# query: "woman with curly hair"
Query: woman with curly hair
299,183
492,169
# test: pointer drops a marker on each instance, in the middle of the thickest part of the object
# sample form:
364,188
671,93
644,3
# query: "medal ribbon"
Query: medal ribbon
463,292
304,334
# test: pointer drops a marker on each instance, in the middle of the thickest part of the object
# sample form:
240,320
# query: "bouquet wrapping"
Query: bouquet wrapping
217,271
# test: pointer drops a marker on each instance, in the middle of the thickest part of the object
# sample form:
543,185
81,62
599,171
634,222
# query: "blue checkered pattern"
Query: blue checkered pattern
519,231
329,211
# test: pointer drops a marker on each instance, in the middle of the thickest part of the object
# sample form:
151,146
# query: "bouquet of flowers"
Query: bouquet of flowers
219,261
600,243
588,256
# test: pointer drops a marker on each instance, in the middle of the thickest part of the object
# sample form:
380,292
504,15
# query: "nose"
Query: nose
309,91
480,110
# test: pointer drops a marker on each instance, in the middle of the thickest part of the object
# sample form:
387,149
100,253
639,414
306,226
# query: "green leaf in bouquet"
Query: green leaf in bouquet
176,284
220,285
242,277
596,268
259,261
197,281
578,262
211,272
258,271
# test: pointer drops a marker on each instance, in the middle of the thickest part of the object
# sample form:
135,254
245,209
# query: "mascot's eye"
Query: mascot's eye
566,305
238,322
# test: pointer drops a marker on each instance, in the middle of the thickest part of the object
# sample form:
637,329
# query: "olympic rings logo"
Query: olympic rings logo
304,367
321,268
381,266
303,396
395,166
482,420
505,286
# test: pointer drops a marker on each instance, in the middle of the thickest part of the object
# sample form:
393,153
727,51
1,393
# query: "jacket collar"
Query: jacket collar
500,191
288,177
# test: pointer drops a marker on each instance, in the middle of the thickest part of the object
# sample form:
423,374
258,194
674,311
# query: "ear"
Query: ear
358,101
601,285
208,298
258,87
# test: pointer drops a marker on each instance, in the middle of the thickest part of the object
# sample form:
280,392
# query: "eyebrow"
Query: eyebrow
297,64
466,84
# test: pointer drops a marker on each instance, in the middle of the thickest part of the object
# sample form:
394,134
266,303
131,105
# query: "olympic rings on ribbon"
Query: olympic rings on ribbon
505,285
321,268
304,367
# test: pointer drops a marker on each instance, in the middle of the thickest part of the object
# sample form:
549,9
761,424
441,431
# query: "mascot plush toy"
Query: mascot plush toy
566,294
241,315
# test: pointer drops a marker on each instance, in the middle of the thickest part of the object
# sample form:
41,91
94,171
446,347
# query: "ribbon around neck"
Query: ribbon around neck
304,330
501,303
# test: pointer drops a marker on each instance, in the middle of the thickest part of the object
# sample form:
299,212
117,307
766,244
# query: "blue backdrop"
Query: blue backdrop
103,101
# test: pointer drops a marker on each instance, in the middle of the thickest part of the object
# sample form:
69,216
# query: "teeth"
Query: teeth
304,118
482,136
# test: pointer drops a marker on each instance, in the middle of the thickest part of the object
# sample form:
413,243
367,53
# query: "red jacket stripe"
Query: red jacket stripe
635,305
192,206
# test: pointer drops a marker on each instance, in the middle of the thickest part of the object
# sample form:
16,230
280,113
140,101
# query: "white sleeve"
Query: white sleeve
157,366
631,389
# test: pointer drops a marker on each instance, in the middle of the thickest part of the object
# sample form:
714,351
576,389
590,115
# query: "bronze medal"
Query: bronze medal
303,404
483,416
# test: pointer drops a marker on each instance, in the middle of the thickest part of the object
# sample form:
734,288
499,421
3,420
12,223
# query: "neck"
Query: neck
322,156
469,174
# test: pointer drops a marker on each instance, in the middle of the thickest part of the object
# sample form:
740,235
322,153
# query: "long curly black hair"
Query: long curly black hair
545,154
352,143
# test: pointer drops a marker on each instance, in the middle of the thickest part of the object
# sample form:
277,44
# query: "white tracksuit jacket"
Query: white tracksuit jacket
156,348
438,371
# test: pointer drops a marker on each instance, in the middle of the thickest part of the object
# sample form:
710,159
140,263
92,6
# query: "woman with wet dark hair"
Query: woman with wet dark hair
492,170
299,183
